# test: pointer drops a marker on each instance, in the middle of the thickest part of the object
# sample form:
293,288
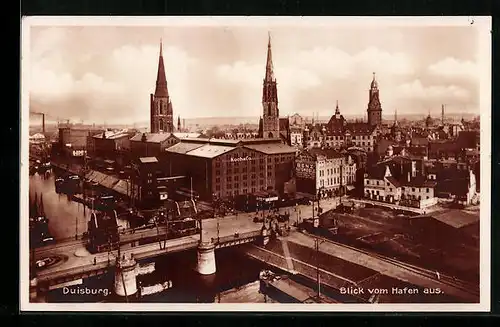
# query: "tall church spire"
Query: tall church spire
161,111
270,120
269,61
337,110
161,79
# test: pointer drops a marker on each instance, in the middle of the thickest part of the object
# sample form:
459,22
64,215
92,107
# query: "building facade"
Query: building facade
400,183
161,111
324,172
229,168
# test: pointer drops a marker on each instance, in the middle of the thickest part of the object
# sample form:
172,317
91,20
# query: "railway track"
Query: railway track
445,279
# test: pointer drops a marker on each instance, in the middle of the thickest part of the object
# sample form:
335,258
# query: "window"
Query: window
217,180
413,189
390,189
427,191
388,184
367,182
236,177
228,178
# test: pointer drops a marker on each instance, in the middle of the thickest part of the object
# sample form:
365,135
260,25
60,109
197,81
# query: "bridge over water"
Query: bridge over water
76,263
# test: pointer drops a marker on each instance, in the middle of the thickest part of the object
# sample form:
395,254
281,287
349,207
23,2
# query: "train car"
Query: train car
180,228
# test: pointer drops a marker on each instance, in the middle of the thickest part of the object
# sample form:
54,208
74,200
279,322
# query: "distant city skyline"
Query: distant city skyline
98,74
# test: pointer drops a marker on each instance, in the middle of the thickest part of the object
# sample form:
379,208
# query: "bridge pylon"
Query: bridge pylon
125,276
206,256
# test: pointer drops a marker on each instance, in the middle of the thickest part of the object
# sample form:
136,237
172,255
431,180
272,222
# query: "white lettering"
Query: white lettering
65,290
241,159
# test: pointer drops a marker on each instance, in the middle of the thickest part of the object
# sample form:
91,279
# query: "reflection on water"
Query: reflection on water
236,279
66,218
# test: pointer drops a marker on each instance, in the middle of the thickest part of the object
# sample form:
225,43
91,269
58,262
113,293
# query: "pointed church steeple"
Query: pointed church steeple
337,110
161,111
395,116
161,79
270,124
269,62
178,123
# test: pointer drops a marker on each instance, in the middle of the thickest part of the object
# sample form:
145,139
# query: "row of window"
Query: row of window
237,185
244,170
335,181
219,194
413,189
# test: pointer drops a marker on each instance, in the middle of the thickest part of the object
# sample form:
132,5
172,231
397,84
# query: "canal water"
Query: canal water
236,279
66,218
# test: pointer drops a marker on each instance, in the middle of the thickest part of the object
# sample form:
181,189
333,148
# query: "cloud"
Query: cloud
311,73
332,62
451,67
416,90
110,84
250,77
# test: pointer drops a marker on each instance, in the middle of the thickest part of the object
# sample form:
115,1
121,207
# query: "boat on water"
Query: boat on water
39,224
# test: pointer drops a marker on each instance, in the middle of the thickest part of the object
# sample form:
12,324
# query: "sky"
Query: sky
105,74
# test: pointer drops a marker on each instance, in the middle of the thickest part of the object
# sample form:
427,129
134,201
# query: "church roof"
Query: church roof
161,79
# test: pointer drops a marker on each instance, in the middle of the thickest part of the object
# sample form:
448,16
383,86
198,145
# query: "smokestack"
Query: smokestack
43,123
442,114
151,113
183,123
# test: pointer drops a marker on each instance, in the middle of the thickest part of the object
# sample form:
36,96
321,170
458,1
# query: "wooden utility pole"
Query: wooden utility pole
318,276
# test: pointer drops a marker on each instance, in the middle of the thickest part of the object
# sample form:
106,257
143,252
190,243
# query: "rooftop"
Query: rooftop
210,151
148,160
151,137
271,148
456,218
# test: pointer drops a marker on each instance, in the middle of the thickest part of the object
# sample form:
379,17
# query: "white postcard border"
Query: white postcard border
483,23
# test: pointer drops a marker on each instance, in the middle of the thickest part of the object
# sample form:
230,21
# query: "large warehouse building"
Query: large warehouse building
227,168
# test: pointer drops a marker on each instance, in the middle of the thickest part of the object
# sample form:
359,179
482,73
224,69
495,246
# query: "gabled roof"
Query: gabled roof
272,148
151,137
328,153
360,128
183,147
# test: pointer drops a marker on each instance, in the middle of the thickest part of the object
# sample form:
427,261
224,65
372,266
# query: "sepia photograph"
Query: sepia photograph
255,164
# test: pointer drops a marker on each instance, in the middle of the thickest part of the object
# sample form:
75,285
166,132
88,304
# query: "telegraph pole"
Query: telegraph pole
318,276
